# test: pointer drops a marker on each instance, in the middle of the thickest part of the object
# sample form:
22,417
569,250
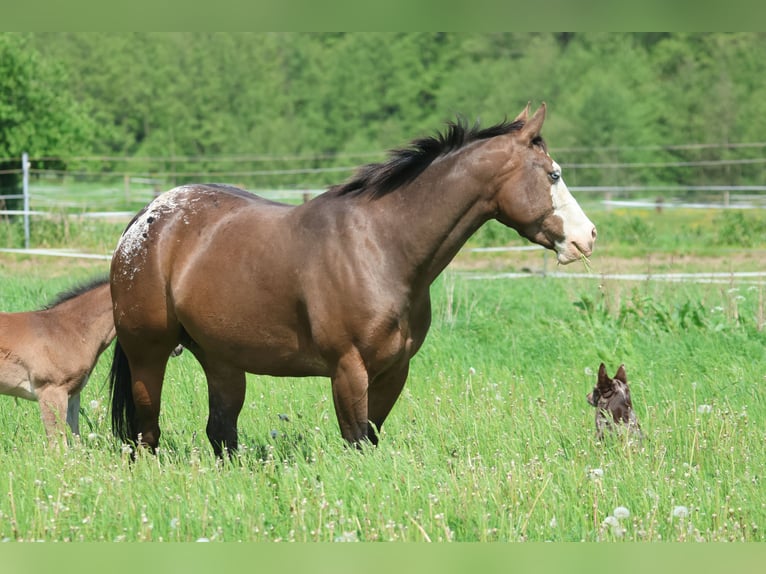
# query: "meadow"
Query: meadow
491,440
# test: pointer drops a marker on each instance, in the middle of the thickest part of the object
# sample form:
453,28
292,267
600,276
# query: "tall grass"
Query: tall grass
491,440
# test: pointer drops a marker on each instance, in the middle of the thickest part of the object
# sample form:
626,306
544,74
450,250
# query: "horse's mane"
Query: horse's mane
76,291
405,164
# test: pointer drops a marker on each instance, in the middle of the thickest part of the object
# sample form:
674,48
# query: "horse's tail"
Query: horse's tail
121,389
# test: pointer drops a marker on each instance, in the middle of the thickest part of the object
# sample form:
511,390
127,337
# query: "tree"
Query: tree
37,114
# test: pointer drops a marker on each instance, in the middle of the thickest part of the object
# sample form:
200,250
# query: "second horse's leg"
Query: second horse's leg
226,395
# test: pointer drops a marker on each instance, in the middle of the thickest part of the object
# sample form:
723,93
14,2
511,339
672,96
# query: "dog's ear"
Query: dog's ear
620,375
604,383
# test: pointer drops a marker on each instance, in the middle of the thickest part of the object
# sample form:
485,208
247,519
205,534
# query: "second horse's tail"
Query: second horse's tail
120,387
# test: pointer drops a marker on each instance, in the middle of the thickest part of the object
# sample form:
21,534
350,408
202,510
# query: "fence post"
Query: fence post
25,184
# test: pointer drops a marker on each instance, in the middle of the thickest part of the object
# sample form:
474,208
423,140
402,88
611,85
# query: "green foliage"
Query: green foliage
735,228
201,95
643,311
38,114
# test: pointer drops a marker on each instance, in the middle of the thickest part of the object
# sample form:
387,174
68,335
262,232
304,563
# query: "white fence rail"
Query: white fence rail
114,194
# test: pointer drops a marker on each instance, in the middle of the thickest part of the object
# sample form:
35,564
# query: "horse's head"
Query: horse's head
611,397
532,197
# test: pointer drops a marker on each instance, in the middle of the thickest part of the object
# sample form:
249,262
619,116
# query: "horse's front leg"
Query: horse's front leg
226,396
53,408
349,393
383,392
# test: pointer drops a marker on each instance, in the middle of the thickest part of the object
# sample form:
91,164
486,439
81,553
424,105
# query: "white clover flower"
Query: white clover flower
94,404
588,371
92,436
680,511
174,522
471,371
704,409
553,523
621,512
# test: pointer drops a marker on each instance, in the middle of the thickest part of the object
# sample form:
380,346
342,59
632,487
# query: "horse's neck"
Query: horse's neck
435,215
91,313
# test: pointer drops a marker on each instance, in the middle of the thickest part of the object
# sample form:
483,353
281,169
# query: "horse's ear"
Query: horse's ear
620,375
522,117
532,128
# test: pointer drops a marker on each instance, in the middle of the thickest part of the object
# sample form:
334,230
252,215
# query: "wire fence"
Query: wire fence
709,176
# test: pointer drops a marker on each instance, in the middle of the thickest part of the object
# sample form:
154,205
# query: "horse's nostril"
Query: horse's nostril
594,233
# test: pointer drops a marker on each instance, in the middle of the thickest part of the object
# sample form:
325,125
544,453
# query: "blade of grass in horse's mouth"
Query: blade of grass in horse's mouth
584,259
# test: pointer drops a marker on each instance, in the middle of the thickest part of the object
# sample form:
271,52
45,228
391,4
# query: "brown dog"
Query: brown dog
611,397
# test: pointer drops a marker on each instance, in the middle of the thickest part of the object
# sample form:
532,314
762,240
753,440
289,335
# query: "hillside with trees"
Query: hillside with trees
184,102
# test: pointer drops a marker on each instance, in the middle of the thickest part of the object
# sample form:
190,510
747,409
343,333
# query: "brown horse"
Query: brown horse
48,355
611,397
336,287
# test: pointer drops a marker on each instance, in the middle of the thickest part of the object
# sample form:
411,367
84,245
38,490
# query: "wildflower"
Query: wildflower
680,511
471,371
588,371
596,473
174,522
203,539
614,523
704,409
347,537
94,404
621,512
553,523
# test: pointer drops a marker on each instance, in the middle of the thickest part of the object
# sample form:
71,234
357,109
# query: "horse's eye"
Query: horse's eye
555,175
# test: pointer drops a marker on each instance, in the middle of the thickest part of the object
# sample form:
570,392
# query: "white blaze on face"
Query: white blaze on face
579,231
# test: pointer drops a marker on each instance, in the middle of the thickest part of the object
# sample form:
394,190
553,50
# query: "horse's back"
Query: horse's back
211,263
182,217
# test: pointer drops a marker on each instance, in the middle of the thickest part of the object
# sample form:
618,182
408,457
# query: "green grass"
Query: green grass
491,440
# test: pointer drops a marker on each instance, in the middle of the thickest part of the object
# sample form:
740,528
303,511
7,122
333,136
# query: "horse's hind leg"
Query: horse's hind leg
147,369
226,396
